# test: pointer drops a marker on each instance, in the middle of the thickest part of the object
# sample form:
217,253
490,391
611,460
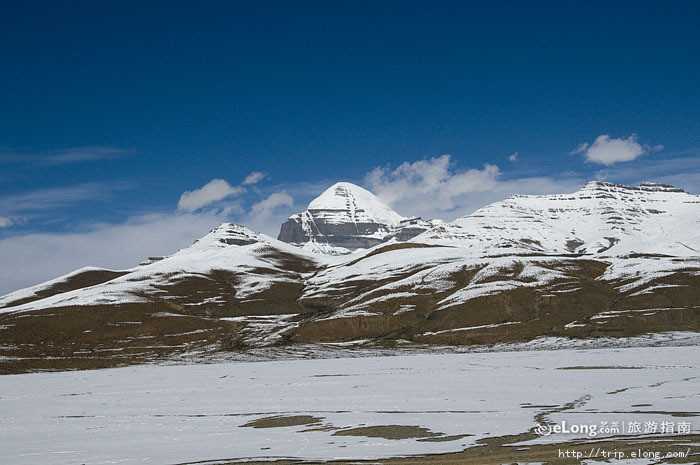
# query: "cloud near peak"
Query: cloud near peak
271,202
437,188
268,214
606,150
413,187
213,191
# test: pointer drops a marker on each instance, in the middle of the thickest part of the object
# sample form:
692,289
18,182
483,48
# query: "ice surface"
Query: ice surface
175,414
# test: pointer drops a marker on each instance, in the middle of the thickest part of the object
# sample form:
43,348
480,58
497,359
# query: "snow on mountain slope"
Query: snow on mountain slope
399,278
601,219
83,277
343,202
607,247
256,263
233,263
345,217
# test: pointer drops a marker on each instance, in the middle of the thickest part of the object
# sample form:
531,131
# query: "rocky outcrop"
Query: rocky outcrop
412,227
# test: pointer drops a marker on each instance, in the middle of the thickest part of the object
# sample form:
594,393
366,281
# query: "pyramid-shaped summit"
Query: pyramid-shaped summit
355,204
346,217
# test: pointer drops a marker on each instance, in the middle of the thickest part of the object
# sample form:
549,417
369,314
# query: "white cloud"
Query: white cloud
429,185
33,258
273,201
5,222
432,188
254,178
268,214
608,151
513,157
213,191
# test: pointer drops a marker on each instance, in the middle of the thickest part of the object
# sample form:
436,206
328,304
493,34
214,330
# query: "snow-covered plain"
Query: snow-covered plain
187,413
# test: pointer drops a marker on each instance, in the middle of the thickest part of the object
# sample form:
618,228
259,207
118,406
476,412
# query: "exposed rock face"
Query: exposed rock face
412,227
347,217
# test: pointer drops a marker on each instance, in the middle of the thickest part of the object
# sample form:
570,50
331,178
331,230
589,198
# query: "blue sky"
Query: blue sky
112,110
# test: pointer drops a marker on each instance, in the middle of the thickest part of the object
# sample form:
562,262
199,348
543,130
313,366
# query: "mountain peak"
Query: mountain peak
347,217
229,234
359,203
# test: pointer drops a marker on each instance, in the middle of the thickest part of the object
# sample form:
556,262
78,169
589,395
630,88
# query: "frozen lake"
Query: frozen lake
186,413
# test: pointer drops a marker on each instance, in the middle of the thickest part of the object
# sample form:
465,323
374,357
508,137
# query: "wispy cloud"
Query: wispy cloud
254,178
213,191
57,197
64,156
81,154
606,150
43,204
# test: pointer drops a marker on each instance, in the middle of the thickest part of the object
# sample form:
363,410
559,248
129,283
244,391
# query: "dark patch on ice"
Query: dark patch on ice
282,421
395,432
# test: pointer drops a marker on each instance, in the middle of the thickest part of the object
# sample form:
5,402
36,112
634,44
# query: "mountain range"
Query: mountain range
607,260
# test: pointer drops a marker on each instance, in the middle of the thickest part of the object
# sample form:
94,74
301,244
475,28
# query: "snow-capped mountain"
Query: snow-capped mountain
346,217
200,275
607,260
600,219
